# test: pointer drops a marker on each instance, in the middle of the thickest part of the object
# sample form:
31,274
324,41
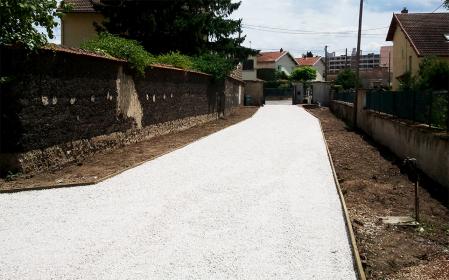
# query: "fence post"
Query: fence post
447,112
395,109
429,121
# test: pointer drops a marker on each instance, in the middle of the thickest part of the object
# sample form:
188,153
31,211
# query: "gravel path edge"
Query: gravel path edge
109,176
358,266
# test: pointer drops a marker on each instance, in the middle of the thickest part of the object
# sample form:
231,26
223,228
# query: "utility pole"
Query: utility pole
389,68
357,66
325,63
346,58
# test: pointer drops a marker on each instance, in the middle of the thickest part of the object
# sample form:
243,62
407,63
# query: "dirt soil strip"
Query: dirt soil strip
374,187
103,166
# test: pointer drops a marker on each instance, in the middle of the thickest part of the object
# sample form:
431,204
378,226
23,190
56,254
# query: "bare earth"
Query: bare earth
373,188
105,165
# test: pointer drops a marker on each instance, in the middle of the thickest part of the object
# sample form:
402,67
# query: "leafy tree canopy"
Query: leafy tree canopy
433,74
191,27
308,54
281,75
303,74
346,79
20,19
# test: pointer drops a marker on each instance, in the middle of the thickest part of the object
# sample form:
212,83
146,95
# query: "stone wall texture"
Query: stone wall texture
58,107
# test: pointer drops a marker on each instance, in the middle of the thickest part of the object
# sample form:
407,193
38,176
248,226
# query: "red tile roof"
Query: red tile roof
307,61
81,6
424,31
266,57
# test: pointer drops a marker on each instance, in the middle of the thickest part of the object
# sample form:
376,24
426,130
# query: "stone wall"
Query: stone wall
430,148
62,106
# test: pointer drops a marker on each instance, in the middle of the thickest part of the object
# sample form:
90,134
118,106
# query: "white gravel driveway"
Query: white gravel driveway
254,201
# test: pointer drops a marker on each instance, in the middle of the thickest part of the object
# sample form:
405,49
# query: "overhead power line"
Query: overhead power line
335,34
309,31
438,8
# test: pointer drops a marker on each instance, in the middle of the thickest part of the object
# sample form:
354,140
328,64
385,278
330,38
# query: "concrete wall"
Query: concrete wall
321,93
79,27
60,107
429,148
255,90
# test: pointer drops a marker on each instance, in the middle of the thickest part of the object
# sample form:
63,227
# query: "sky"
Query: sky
303,25
299,26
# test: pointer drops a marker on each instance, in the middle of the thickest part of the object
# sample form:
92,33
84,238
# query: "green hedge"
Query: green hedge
175,59
129,50
107,44
214,64
266,74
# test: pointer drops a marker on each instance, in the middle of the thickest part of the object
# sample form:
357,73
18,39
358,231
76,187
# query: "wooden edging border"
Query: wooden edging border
97,181
355,252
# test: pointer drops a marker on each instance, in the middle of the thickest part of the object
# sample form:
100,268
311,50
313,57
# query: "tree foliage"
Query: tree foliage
20,19
303,74
346,78
281,75
307,54
175,59
191,27
433,74
216,65
129,50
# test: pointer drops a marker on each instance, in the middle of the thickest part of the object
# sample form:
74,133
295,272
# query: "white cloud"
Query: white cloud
321,16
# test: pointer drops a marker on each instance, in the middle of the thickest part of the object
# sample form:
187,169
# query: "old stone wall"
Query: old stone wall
62,106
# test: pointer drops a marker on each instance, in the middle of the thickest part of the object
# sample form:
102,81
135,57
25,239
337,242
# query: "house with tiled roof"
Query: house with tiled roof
77,25
415,36
316,62
257,67
278,60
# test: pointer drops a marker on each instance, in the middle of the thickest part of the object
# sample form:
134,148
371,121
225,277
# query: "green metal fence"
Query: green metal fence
345,96
429,107
278,92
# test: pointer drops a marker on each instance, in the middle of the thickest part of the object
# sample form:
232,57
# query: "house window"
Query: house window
248,64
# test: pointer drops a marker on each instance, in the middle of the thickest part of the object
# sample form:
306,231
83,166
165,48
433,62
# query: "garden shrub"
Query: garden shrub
107,44
214,64
118,47
175,59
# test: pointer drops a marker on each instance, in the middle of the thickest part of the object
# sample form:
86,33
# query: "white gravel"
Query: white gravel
254,201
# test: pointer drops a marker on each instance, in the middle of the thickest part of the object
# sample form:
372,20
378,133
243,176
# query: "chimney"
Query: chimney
281,50
404,11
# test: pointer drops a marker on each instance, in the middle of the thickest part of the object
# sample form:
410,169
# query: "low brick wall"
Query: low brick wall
61,106
405,140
